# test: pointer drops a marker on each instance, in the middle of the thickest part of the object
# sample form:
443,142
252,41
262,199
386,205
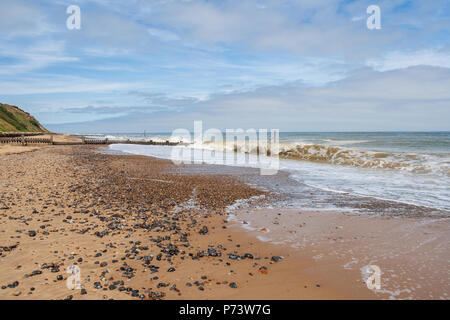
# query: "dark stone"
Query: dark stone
203,230
276,258
248,256
212,252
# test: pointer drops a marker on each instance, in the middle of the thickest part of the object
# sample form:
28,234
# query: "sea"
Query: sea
409,168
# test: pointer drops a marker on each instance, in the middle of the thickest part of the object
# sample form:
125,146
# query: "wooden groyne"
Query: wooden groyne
108,141
20,134
24,140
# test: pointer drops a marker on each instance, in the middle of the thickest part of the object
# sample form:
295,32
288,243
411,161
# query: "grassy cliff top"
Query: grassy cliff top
13,119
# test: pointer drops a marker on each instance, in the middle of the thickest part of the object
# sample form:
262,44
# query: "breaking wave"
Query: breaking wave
338,155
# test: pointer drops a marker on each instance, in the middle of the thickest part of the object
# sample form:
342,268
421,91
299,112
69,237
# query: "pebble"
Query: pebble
203,230
276,258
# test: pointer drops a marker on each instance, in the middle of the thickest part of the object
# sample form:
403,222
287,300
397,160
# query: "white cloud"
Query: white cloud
399,60
416,98
18,18
358,18
34,57
61,84
161,34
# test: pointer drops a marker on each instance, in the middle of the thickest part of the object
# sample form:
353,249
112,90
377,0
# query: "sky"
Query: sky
293,65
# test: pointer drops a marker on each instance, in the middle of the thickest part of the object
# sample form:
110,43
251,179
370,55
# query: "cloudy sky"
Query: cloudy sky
295,65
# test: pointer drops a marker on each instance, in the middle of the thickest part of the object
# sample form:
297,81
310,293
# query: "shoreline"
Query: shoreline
99,191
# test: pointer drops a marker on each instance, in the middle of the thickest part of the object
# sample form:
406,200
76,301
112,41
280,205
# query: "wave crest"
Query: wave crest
342,156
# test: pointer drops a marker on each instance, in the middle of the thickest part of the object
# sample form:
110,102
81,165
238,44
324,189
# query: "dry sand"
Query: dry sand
7,149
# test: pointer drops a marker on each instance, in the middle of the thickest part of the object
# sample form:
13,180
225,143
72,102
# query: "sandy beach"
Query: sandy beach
7,149
142,228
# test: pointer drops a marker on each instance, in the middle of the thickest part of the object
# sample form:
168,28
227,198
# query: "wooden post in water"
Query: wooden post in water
51,139
23,140
83,140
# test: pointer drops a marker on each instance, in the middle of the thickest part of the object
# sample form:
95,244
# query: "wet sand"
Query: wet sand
412,253
142,228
